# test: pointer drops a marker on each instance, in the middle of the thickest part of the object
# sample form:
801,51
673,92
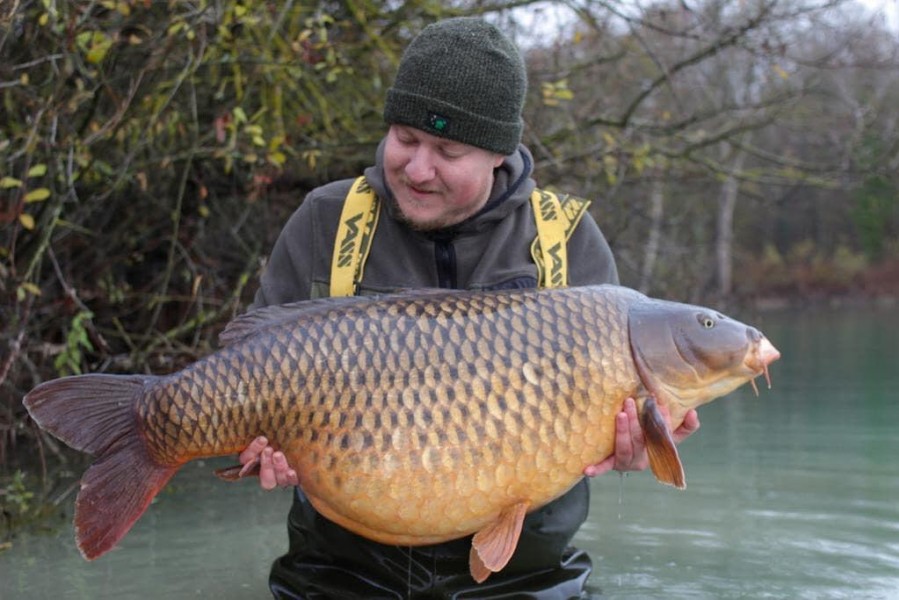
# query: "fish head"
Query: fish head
689,355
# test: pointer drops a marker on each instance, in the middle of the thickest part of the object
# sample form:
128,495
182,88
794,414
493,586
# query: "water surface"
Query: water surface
793,495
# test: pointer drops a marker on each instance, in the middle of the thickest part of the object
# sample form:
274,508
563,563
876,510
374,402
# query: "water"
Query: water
793,495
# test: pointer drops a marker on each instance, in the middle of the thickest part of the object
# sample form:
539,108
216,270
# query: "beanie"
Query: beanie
463,80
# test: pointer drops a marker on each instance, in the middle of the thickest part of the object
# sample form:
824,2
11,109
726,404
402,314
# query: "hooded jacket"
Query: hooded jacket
490,250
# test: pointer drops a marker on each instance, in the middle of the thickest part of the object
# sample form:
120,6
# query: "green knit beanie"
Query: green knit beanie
463,80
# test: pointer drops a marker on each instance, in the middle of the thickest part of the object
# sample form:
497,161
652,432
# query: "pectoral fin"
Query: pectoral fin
237,472
492,547
663,457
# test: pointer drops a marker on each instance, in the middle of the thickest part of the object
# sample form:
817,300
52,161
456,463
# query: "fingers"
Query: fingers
273,468
688,427
630,447
267,478
600,468
251,453
284,475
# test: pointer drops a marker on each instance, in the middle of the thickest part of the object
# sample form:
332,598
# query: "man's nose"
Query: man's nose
421,165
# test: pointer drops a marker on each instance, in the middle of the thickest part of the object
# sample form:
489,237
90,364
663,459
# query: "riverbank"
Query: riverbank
772,284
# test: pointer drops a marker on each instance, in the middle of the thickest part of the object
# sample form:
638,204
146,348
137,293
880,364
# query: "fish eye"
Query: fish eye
706,321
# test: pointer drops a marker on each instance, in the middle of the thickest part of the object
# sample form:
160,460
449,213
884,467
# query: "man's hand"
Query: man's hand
630,447
273,468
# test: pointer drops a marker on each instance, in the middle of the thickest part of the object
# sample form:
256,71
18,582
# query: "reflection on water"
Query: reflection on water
794,494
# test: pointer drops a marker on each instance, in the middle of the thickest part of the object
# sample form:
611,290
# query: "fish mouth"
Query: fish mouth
763,353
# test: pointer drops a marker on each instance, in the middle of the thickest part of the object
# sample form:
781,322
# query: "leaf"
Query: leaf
10,182
277,158
99,46
38,195
37,171
30,288
27,221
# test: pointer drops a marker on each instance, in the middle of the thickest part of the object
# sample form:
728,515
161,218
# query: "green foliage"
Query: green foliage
68,362
15,497
149,152
875,213
875,209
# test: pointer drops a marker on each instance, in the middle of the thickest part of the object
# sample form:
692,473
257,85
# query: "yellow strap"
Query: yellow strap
358,220
556,219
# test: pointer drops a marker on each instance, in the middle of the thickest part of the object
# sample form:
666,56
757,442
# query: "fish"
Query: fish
410,418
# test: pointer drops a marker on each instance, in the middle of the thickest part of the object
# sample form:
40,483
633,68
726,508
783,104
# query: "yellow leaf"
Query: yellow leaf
37,171
10,182
37,195
779,70
277,158
99,46
27,221
43,19
30,288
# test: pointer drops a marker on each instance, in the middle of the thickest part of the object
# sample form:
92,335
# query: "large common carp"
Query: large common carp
412,418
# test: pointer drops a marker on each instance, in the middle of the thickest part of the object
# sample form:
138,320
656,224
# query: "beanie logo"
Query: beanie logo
437,122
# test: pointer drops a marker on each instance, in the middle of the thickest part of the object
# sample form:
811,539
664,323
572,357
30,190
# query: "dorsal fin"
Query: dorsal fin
258,319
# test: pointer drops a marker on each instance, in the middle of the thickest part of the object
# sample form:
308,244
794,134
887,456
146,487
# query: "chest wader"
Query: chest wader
327,561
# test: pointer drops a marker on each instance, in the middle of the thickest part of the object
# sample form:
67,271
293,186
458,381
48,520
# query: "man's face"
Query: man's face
436,182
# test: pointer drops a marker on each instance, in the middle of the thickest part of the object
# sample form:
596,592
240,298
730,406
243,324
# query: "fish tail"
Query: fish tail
96,414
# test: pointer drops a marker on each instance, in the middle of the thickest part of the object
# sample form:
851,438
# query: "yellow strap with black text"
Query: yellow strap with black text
358,220
556,219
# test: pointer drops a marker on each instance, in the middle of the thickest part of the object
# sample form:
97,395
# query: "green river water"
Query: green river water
793,494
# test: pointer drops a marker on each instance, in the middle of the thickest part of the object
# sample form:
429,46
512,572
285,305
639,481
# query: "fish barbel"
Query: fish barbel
412,418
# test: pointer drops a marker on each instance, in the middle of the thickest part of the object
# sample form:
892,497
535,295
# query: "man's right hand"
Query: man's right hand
273,468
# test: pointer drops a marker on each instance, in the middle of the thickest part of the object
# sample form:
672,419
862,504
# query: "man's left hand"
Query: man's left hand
630,445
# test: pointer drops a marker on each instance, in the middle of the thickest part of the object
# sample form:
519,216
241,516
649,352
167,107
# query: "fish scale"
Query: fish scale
413,418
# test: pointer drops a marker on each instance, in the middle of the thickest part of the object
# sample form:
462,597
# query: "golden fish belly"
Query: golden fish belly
420,422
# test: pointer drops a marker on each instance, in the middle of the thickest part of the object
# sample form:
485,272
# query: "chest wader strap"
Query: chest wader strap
556,219
358,220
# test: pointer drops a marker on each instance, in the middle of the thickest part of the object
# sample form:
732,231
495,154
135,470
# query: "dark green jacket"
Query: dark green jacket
490,250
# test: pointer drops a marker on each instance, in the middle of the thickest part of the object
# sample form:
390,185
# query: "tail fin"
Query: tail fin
96,414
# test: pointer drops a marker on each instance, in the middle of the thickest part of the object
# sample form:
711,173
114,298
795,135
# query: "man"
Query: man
453,186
